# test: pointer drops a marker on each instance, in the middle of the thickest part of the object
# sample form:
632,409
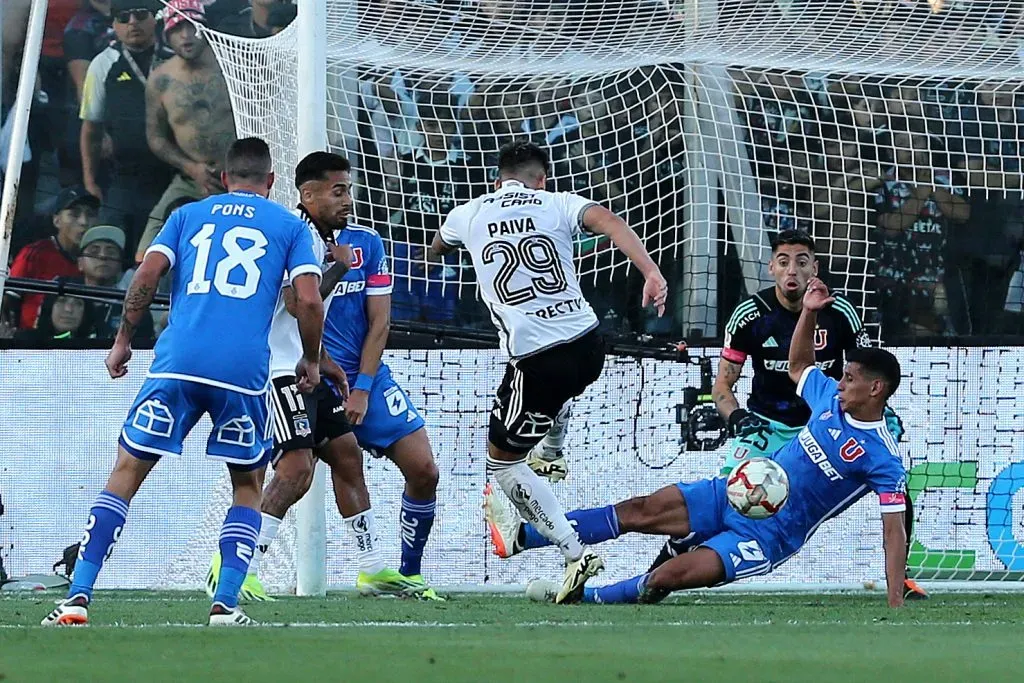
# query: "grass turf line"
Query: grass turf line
479,637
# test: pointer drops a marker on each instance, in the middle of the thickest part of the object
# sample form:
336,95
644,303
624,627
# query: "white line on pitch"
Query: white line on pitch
559,624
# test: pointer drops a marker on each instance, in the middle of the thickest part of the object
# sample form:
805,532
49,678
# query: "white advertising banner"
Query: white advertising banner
61,416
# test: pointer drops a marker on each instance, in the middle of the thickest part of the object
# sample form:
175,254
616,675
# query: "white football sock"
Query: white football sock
535,501
554,440
268,532
363,528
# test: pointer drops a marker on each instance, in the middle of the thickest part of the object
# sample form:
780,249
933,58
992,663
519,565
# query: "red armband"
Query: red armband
734,356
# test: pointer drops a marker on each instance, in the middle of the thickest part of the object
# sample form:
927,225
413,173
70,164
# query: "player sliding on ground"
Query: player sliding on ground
357,286
844,451
520,238
229,254
760,328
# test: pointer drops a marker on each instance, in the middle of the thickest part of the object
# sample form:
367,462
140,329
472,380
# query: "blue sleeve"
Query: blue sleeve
167,241
378,273
887,477
817,389
301,259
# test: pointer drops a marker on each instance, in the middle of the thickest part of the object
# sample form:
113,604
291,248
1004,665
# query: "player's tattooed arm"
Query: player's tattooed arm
722,391
140,294
136,303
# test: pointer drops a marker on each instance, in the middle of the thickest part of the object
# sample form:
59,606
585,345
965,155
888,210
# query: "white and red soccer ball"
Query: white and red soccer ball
758,488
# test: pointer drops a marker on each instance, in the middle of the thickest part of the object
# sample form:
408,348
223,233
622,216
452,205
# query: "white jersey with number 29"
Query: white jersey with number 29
521,243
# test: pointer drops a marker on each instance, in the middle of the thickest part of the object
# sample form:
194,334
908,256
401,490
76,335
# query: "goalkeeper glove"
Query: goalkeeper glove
894,423
743,423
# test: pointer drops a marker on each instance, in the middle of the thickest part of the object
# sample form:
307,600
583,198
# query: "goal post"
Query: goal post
311,513
19,128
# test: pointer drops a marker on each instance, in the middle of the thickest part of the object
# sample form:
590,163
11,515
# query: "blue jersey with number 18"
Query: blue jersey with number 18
229,254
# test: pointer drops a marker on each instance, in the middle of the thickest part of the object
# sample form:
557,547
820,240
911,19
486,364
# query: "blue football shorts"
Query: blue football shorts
390,415
166,410
747,547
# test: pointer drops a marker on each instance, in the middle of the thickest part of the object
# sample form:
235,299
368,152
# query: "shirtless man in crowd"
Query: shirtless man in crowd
189,123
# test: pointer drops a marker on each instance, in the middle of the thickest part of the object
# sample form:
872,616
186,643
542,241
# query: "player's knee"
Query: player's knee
701,568
422,477
343,455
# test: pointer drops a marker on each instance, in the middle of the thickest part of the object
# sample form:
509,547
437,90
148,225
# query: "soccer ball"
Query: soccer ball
758,488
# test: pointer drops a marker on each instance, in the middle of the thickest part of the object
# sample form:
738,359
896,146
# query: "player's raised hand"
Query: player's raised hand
655,291
117,360
816,297
307,375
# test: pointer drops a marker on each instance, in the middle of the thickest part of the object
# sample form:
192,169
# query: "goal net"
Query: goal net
883,128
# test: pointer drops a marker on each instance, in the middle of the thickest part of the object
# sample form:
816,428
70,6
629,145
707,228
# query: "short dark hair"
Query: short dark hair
792,236
316,165
522,156
879,363
248,159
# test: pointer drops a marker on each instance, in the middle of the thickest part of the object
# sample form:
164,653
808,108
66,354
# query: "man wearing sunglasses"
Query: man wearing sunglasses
117,164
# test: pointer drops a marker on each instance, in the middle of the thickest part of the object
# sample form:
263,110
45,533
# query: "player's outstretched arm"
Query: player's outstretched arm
309,311
136,302
801,348
894,540
601,221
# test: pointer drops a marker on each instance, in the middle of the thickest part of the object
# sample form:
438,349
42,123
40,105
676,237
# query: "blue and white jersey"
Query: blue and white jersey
345,321
834,462
229,254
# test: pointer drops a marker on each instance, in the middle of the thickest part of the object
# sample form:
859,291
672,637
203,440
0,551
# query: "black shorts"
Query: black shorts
535,388
305,420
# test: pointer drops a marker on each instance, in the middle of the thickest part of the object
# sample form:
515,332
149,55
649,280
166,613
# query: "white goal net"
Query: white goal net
707,125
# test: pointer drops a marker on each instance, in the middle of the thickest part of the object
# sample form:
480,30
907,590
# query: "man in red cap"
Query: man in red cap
189,123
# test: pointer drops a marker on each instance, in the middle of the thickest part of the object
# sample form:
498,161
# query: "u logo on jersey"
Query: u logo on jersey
851,450
357,257
820,339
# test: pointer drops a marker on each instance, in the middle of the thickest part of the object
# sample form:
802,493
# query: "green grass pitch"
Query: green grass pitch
145,636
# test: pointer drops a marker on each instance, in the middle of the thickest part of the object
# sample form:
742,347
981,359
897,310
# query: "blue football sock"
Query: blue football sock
106,519
595,525
623,592
238,539
417,518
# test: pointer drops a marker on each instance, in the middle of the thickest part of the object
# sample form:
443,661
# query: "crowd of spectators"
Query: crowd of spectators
912,188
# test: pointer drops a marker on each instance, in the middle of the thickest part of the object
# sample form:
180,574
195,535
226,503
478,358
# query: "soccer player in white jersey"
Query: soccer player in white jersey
520,238
844,451
229,254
